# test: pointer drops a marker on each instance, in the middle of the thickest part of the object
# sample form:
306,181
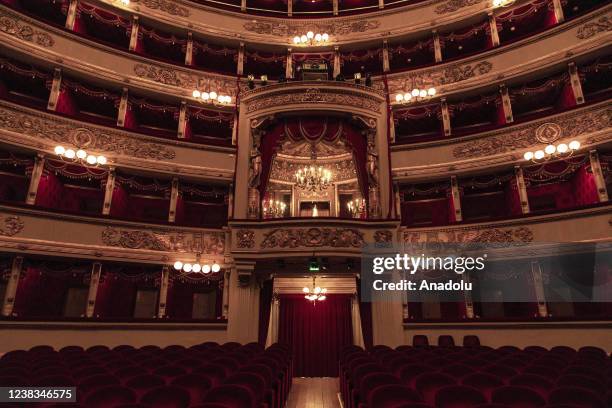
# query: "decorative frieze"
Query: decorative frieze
453,5
62,131
245,239
313,237
601,25
210,243
468,235
14,26
563,126
165,6
383,237
284,170
10,226
290,29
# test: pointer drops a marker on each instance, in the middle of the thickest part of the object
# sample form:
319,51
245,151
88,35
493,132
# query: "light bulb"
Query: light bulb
178,265
407,96
310,35
324,290
317,290
399,97
423,93
206,268
196,268
60,150
205,96
415,92
296,40
303,39
81,154
322,297
91,159
318,37
550,149
305,290
126,2
213,95
539,154
574,145
70,154
431,91
187,267
528,155
216,267
325,36
101,160
196,93
228,99
562,148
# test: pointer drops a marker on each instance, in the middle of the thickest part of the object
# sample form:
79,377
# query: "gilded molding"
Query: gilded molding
284,170
289,29
592,28
212,243
172,77
13,225
165,6
564,126
12,25
313,95
59,130
313,237
485,234
453,5
246,238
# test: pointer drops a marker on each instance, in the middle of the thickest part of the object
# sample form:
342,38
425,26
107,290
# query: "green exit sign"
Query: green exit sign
313,266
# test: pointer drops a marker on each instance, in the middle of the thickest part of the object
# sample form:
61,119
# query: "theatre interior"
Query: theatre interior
189,189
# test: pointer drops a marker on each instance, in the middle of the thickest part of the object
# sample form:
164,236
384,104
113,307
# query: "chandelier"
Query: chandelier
314,292
274,208
79,156
313,178
416,95
211,97
310,38
559,151
197,267
356,206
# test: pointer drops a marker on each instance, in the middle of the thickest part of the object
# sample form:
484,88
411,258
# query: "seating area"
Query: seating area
472,375
206,375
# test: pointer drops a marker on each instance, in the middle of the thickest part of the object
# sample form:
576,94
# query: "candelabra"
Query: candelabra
356,207
274,209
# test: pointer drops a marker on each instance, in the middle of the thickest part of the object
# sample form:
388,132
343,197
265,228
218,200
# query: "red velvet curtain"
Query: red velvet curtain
316,332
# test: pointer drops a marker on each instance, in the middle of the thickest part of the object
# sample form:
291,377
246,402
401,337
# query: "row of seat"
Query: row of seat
447,376
206,375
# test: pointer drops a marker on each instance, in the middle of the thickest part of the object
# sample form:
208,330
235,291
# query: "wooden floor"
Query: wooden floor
314,393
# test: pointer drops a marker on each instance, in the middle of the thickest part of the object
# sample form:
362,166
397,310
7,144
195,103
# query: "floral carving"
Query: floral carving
165,6
207,243
313,237
14,26
521,137
383,237
168,76
284,170
591,29
483,235
13,225
246,238
297,28
454,5
313,95
63,131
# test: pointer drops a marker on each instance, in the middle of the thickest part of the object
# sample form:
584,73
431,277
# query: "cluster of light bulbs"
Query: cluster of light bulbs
550,151
211,97
503,3
311,38
80,155
318,293
125,2
415,95
356,206
274,208
196,267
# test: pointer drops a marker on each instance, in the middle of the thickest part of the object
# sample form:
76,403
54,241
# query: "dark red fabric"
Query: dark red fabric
180,297
316,332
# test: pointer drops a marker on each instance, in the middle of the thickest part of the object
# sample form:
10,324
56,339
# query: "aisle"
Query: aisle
314,393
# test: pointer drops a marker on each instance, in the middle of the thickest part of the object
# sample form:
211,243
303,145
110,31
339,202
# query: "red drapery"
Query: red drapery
315,332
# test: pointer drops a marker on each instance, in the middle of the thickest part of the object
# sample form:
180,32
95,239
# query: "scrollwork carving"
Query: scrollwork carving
184,80
291,29
12,225
313,237
14,26
454,5
383,237
165,6
483,235
246,239
591,29
212,243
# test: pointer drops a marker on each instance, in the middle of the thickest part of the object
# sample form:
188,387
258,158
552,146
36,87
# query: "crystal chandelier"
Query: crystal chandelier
274,209
313,178
356,207
315,292
79,156
559,151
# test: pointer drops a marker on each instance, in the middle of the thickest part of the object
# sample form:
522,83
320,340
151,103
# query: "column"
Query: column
446,123
437,46
386,65
559,17
381,4
182,123
391,127
240,67
71,15
289,8
538,286
506,103
39,165
108,192
600,182
387,322
189,49
134,33
243,6
94,281
576,84
336,61
289,66
336,201
493,31
243,313
335,6
173,199
230,202
11,287
123,106
456,197
55,89
398,201
226,281
522,189
163,292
